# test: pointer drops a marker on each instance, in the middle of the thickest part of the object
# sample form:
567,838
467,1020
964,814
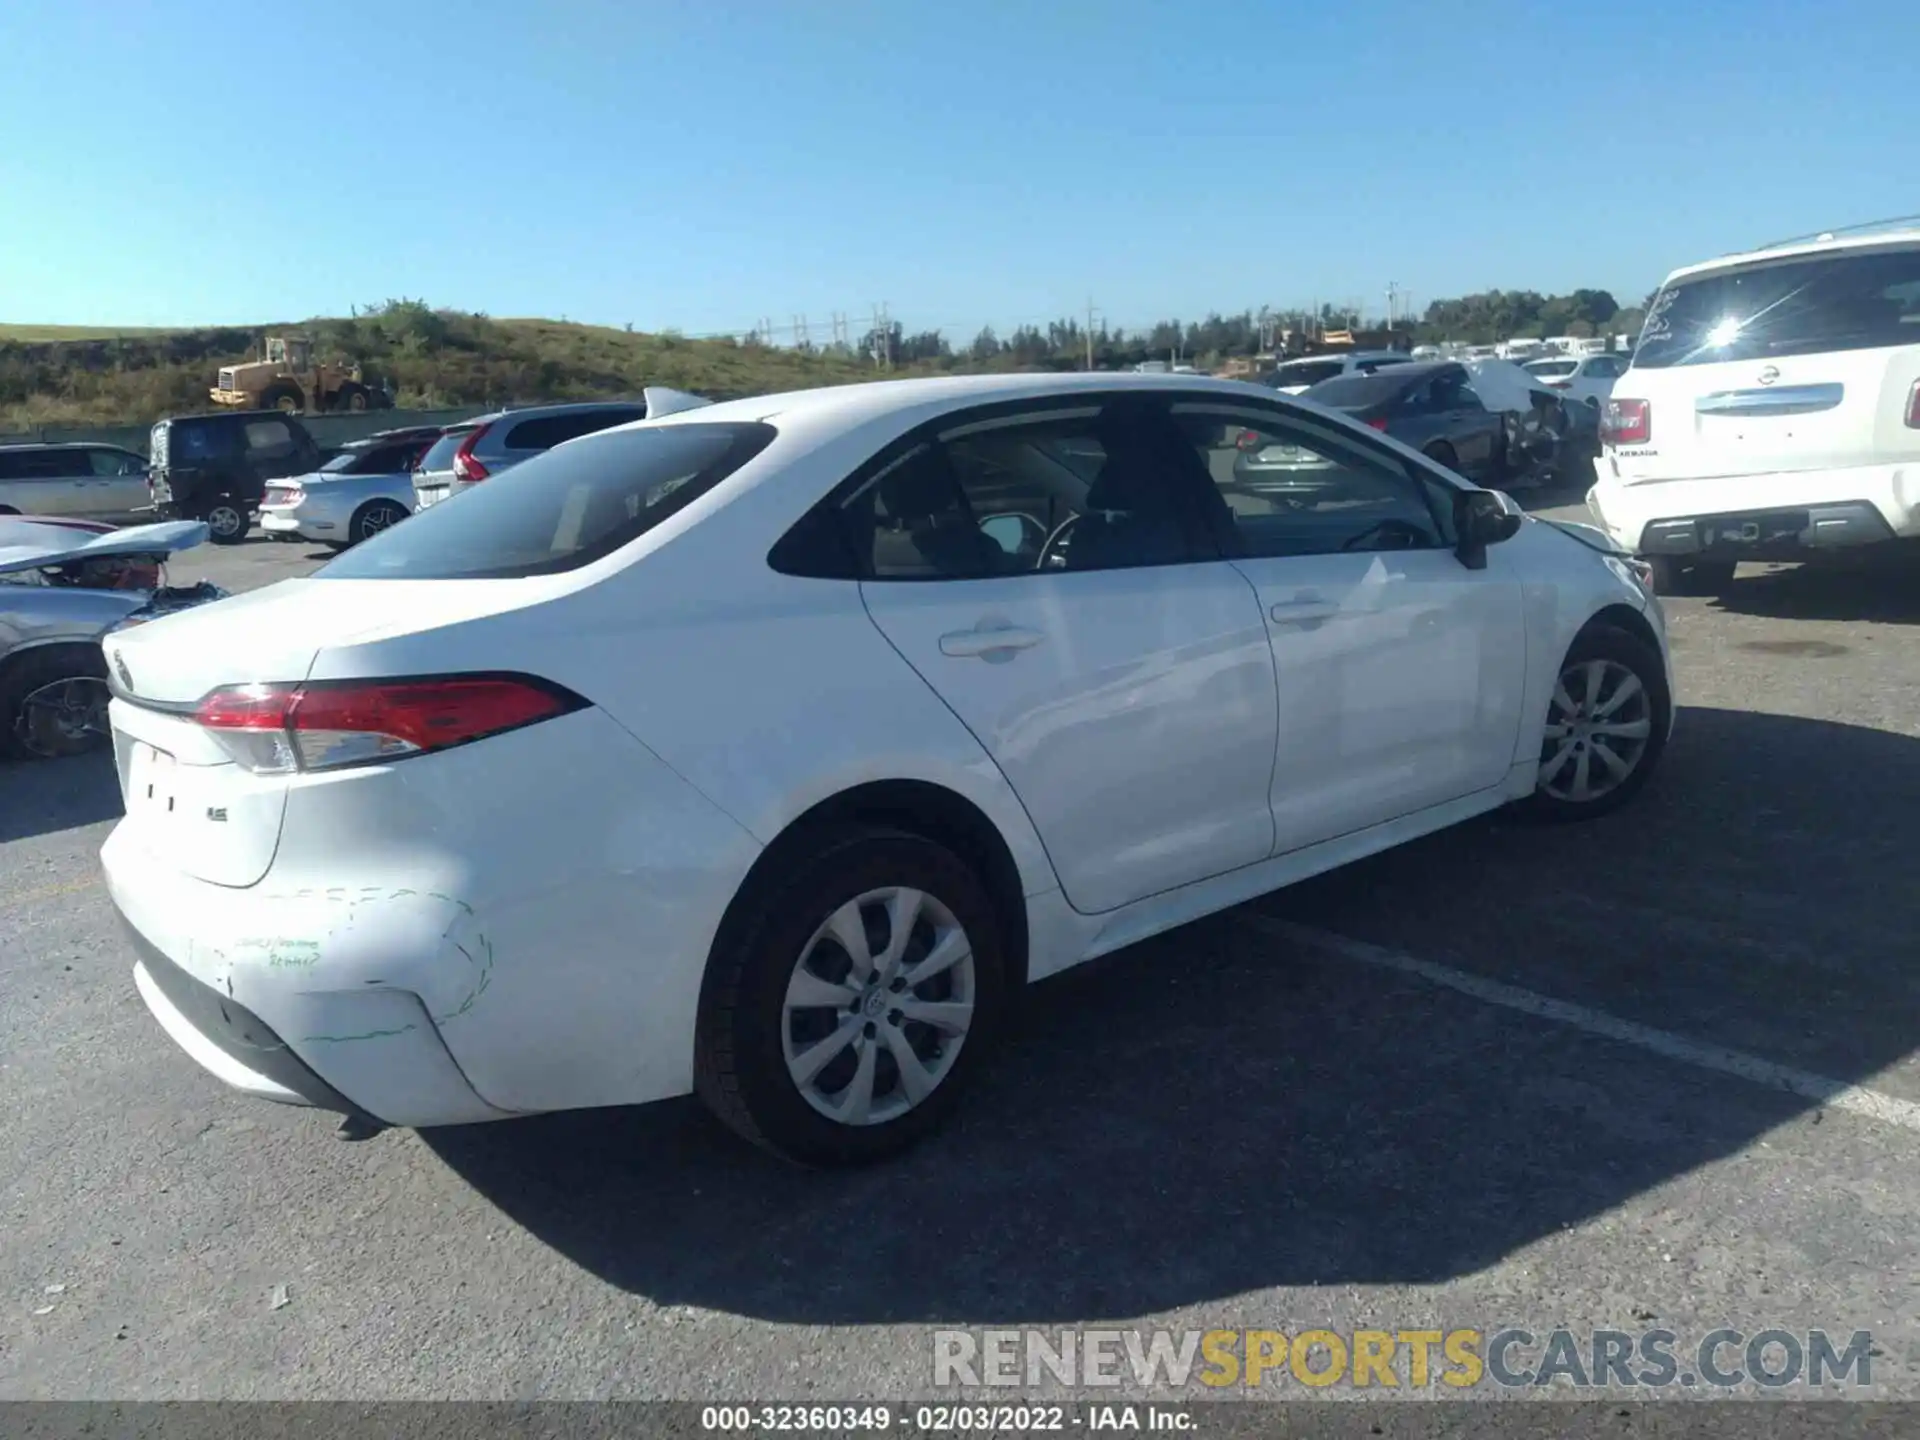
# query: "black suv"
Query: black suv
216,467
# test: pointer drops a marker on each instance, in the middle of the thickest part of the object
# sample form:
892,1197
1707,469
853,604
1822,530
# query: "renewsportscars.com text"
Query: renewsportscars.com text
1459,1359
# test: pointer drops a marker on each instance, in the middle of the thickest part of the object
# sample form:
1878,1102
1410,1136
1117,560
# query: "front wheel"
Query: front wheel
1607,723
227,521
845,1015
53,703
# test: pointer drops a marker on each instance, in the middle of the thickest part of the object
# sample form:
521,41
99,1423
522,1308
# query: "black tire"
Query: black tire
1442,453
373,517
40,735
284,397
350,396
740,1067
1675,576
1621,649
227,520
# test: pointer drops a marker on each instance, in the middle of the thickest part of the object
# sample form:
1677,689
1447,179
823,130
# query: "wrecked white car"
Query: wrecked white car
63,585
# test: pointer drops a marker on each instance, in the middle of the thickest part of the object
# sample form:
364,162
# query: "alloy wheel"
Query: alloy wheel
878,1006
1598,726
64,717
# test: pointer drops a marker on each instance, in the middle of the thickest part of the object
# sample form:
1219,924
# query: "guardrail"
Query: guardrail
328,430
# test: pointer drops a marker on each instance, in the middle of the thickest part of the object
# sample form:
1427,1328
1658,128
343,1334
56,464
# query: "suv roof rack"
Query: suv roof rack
1893,223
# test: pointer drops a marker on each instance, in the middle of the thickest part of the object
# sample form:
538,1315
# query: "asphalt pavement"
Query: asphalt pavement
1657,1071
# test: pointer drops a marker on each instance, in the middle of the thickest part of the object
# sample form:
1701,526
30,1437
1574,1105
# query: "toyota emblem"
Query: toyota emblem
1769,375
120,669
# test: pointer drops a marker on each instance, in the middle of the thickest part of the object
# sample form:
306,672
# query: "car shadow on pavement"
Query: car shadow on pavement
1881,588
42,797
1219,1110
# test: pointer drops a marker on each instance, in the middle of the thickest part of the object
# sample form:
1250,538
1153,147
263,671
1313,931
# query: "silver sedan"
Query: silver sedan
365,489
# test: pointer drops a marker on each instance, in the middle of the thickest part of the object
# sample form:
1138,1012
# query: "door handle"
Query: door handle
1303,610
962,644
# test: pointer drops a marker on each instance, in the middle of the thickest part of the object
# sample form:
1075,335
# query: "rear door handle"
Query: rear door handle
1303,610
964,643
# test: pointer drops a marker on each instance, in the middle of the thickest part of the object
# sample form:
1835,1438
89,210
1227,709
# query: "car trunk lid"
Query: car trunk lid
187,799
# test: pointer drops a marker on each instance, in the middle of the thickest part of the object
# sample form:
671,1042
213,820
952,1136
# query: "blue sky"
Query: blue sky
699,164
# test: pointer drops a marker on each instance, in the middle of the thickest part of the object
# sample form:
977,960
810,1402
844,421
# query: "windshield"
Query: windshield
1858,301
1307,372
562,509
1357,392
440,457
1551,368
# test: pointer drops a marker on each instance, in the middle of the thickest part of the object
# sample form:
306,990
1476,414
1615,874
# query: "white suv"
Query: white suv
1772,408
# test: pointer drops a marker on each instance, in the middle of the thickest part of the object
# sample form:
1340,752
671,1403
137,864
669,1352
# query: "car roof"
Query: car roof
870,400
1825,245
228,415
19,445
558,407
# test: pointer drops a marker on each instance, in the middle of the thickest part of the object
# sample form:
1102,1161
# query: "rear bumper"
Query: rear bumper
1758,516
235,979
225,1037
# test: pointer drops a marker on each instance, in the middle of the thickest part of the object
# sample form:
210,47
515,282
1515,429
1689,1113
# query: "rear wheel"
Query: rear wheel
1606,726
227,520
846,1012
370,519
350,396
1674,576
53,702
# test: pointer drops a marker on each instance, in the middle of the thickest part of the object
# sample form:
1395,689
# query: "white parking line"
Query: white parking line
1834,1093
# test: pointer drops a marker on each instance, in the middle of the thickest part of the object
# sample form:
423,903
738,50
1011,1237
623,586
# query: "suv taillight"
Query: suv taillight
464,465
1913,407
323,725
1626,422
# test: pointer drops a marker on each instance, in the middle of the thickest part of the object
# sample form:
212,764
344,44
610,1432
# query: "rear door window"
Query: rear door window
563,510
1857,300
269,440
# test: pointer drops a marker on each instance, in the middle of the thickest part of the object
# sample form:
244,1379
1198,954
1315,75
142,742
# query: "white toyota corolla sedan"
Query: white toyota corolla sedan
767,750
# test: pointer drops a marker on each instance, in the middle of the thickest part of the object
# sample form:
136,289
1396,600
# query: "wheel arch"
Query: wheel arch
917,807
33,649
1621,616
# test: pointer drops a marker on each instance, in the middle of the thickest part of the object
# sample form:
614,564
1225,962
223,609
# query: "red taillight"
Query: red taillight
1247,440
277,729
1626,422
1379,422
1913,407
1559,384
464,465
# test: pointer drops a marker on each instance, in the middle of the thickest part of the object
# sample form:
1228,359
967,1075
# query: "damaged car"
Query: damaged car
63,585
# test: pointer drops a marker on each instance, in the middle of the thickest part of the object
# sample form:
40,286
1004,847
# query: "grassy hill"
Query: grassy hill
71,375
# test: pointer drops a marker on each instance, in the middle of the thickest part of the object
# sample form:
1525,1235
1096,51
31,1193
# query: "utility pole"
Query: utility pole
1089,332
840,330
1393,293
800,338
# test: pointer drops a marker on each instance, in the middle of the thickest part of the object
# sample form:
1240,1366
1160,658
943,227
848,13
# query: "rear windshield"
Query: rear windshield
440,457
1857,301
1308,372
1551,368
560,510
1357,392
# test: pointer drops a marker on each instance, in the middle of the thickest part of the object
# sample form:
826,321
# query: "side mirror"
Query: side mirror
1482,518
